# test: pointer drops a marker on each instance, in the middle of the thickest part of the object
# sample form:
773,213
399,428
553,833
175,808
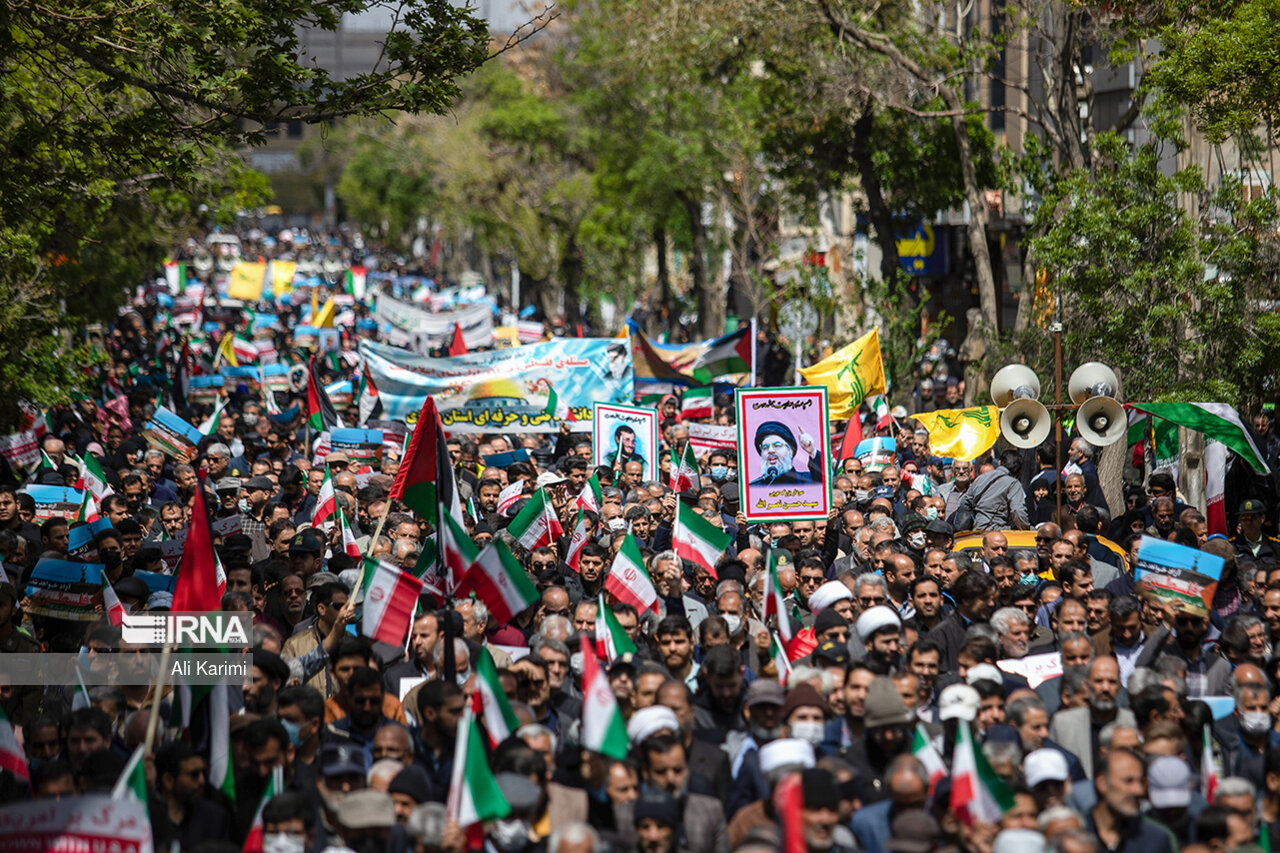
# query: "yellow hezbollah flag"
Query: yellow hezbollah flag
324,317
961,434
851,374
246,281
227,350
282,273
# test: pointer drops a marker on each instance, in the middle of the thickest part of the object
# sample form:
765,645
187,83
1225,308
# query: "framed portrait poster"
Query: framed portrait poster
622,434
783,453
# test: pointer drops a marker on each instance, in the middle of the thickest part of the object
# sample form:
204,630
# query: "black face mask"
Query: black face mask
112,560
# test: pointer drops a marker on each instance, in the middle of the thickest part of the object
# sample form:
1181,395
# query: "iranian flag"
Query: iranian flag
497,579
321,415
697,540
326,503
196,589
507,497
628,581
500,722
577,541
474,796
1208,766
611,640
132,784
11,756
781,663
175,275
603,729
731,353
390,599
684,470
349,546
978,795
556,409
245,350
775,601
88,511
210,424
456,549
537,524
922,748
253,842
591,497
92,479
697,403
221,773
111,602
880,405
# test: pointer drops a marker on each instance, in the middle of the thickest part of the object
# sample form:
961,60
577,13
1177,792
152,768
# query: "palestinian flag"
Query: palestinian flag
326,503
775,602
922,748
697,403
349,546
196,589
367,399
457,345
611,640
628,580
92,479
978,795
132,784
353,281
456,549
591,497
498,579
210,424
537,524
508,497
253,842
500,722
778,654
88,511
603,729
555,409
684,470
390,599
11,756
474,796
697,540
111,602
425,481
175,275
320,412
732,353
577,541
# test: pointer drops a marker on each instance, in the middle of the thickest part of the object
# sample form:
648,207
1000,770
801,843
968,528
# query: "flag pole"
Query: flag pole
154,722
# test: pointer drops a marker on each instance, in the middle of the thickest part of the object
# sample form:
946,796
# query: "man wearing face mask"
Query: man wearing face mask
913,530
301,712
719,469
1249,732
110,554
762,709
288,821
805,714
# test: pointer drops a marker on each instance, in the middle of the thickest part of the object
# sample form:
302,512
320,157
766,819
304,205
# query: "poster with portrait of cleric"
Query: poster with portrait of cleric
783,453
621,434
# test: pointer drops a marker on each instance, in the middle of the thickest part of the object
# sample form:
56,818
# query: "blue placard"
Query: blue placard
155,581
207,381
51,571
82,536
1177,573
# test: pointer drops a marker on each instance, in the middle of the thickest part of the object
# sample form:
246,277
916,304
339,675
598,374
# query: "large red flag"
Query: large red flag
196,589
852,435
457,346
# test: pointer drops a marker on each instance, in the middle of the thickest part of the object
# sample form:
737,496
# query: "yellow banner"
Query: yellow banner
246,281
961,434
851,374
282,276
324,317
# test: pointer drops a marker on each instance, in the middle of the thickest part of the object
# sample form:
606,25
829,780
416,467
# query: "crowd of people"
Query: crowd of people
907,644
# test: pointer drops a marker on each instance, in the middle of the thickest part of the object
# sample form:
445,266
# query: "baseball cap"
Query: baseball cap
1045,765
940,527
337,759
227,484
883,492
307,542
913,831
958,702
1169,783
549,478
983,672
832,652
765,691
259,482
321,578
1252,506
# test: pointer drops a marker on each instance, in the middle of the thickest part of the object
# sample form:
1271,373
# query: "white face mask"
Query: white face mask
808,730
510,836
575,663
733,620
916,539
1255,722
462,677
283,842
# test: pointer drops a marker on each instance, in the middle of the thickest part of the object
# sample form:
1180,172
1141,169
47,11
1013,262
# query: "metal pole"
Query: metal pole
1057,415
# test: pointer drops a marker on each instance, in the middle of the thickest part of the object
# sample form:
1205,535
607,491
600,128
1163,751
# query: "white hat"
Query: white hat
875,618
828,594
549,478
983,672
1169,783
647,722
958,702
1045,765
1018,841
787,752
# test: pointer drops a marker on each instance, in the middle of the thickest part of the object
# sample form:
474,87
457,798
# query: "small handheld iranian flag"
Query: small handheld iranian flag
697,540
778,653
111,602
92,479
88,511
349,546
557,409
498,580
1208,766
474,795
210,424
603,729
537,524
326,503
775,601
457,551
628,581
508,497
978,795
684,470
11,756
577,541
253,842
922,748
697,403
880,405
390,598
499,720
175,276
611,640
132,784
591,497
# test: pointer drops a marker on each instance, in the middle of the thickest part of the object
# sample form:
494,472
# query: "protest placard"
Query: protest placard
172,435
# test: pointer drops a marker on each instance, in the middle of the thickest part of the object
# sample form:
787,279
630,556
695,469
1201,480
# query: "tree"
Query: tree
114,116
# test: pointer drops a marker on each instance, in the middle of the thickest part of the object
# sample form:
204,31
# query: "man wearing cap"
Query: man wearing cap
656,822
776,444
1249,540
1169,784
762,709
366,821
889,724
306,553
256,491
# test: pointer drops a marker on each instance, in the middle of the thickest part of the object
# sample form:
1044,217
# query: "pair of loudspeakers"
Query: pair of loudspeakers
1025,422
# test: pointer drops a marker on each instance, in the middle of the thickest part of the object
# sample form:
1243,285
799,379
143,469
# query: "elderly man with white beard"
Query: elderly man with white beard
1013,631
